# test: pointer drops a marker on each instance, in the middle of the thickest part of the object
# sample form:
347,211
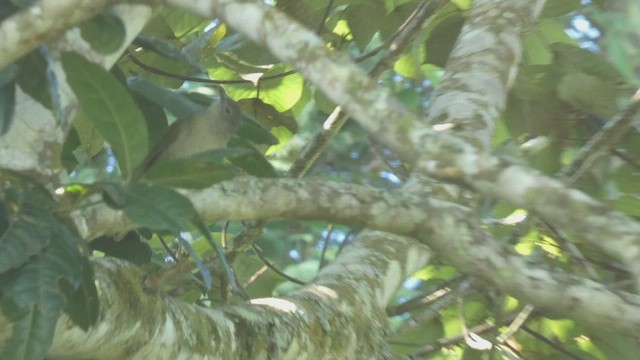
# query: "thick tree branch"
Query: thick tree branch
41,22
345,305
451,230
445,156
481,69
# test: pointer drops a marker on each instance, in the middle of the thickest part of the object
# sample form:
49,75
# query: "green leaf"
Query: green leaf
33,299
182,22
155,117
131,248
7,106
256,129
104,32
177,104
7,9
589,94
577,60
90,139
83,306
628,204
112,110
253,163
558,8
408,65
280,92
189,173
157,207
200,171
442,38
29,226
462,4
615,345
23,3
32,332
32,78
365,20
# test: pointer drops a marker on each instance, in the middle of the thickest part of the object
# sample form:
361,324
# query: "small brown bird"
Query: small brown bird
208,129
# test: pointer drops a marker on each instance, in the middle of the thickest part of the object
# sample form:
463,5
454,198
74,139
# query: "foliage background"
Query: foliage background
572,81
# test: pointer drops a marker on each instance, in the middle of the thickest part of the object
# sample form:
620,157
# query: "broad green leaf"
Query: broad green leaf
442,38
432,73
536,44
29,225
182,22
112,110
9,74
131,248
32,78
253,163
23,3
7,9
157,207
305,12
83,306
257,129
574,59
408,65
200,171
177,104
280,92
32,331
365,20
544,116
189,173
391,5
91,141
558,8
32,297
155,117
615,345
628,204
105,33
589,94
283,135
7,106
462,4
406,342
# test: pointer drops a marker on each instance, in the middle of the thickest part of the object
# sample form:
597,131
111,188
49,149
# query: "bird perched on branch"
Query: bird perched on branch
208,129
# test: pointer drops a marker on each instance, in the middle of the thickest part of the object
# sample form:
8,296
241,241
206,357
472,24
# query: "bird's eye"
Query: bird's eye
228,110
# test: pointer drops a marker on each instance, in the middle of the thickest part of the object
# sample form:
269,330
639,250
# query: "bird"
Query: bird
208,129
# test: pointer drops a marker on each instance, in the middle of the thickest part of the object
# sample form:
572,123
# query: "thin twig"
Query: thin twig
551,343
268,264
325,246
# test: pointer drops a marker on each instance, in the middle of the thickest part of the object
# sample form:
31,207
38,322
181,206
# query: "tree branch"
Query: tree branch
345,304
445,156
43,21
448,229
